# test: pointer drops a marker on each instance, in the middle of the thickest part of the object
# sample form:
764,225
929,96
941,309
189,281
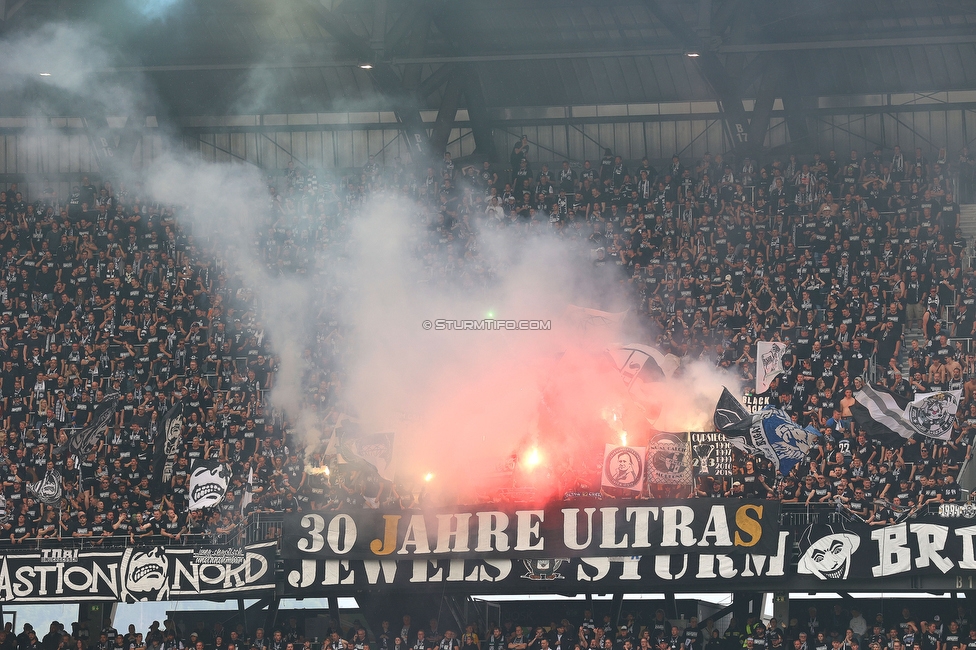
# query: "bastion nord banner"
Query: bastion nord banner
135,574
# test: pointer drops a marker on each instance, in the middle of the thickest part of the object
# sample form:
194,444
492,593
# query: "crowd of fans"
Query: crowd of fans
833,627
107,291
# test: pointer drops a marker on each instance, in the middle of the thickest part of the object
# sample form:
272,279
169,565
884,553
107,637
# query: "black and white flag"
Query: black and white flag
166,446
83,441
208,484
769,364
892,419
49,489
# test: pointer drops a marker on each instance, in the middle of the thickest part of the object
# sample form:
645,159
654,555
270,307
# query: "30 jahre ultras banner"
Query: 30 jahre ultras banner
135,574
577,529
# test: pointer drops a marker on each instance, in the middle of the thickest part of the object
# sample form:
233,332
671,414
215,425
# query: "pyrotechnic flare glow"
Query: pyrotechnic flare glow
429,476
532,458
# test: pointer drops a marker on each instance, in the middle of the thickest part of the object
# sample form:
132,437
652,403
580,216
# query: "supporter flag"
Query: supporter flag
375,449
248,495
623,467
4,513
83,441
642,369
892,419
728,412
208,484
769,364
587,321
166,446
771,432
49,489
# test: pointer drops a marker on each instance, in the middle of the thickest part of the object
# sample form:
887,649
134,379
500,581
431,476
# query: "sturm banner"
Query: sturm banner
570,530
545,574
135,574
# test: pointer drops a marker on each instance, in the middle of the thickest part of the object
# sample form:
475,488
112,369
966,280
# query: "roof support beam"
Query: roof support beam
765,98
801,123
436,79
735,122
385,78
446,115
484,136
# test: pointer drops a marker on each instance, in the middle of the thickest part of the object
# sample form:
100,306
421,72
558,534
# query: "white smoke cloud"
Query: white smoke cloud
457,400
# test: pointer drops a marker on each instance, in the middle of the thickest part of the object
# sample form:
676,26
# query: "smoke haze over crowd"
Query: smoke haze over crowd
458,399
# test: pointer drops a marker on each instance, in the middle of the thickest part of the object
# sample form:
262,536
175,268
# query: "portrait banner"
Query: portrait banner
623,467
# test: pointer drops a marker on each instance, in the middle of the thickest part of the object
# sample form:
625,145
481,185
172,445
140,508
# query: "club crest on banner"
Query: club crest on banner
544,568
668,460
934,414
826,551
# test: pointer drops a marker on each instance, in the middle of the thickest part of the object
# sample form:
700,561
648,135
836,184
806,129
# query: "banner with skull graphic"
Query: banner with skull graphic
208,484
83,441
49,489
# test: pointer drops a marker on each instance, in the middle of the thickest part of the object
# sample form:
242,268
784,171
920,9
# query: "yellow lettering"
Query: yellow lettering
751,526
388,545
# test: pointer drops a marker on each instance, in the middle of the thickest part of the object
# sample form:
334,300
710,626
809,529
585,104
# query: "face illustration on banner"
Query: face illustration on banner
209,486
624,468
829,555
144,574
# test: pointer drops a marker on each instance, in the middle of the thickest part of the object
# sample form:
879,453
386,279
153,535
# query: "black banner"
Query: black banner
711,454
622,573
577,529
926,545
135,574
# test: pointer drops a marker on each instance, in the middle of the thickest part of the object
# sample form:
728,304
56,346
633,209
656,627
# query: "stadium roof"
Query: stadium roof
263,56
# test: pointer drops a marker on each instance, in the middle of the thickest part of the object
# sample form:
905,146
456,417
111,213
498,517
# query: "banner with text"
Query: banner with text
562,574
136,574
579,529
927,545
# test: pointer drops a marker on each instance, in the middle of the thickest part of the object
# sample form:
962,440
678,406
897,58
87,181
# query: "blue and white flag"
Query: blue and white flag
771,432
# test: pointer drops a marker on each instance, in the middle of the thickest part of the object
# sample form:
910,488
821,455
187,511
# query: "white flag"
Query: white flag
769,364
246,498
208,484
933,414
623,467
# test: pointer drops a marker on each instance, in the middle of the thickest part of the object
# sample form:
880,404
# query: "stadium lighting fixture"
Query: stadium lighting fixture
694,54
366,66
45,74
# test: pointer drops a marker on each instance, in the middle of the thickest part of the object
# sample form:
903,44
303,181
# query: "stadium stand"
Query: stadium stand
857,262
824,625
